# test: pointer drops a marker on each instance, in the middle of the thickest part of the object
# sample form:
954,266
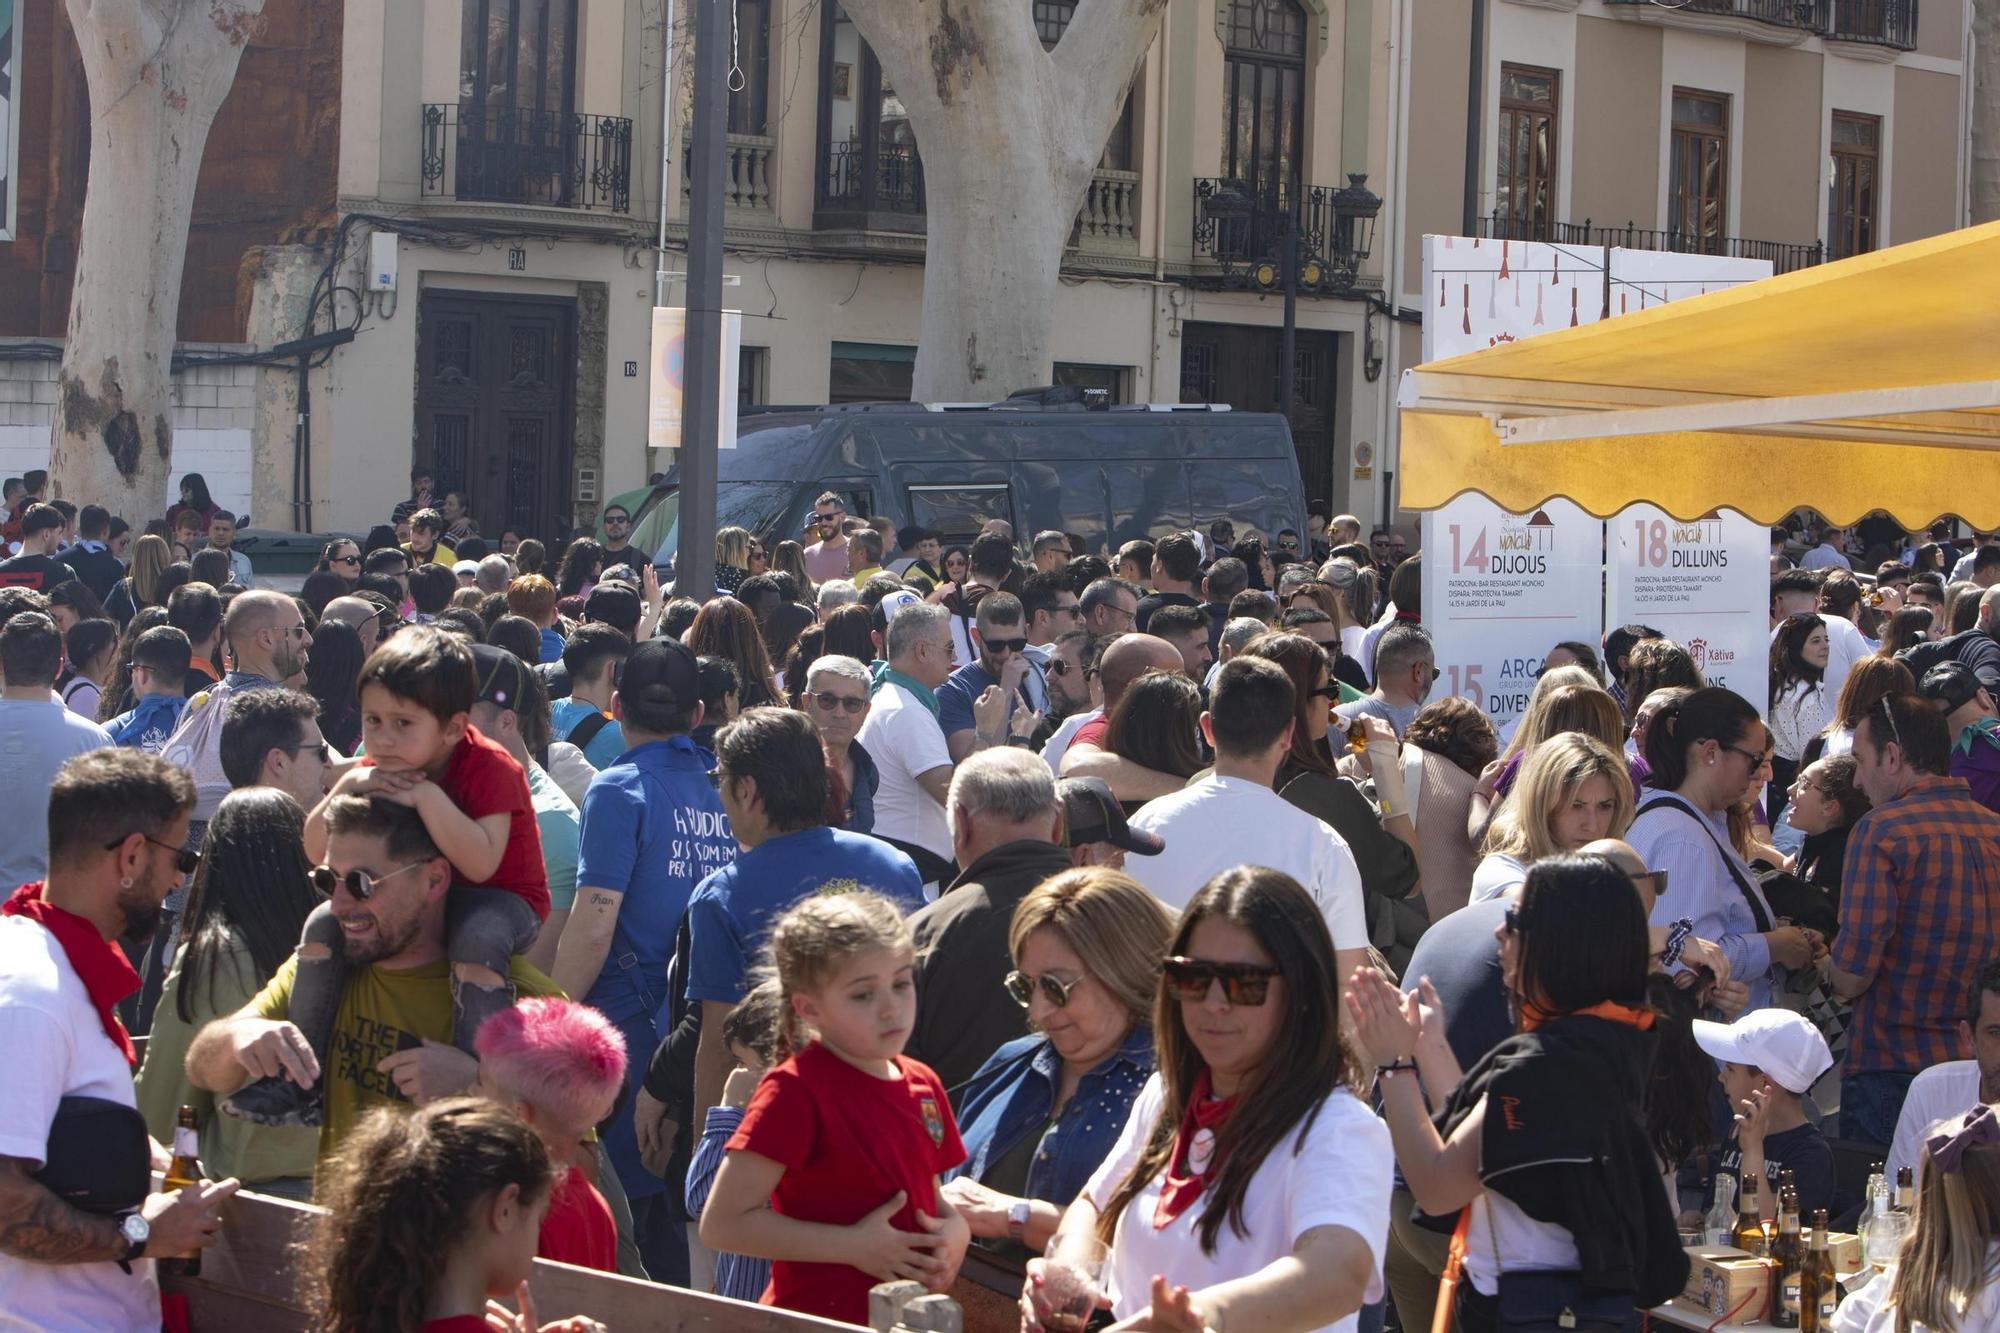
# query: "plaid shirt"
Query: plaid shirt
1920,909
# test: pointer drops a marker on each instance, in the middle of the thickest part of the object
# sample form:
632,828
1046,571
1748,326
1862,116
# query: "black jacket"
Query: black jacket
1976,648
99,570
1565,1141
964,1013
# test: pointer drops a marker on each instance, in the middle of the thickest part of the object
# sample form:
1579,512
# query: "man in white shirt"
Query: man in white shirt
117,819
1951,1089
1796,592
903,737
1233,817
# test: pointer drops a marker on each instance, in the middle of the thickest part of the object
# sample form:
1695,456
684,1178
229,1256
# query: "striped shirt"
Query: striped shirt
1920,909
737,1276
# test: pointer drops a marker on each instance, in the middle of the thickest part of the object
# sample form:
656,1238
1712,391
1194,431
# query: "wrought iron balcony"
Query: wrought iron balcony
1784,256
1891,23
1240,228
1879,22
880,188
517,156
1809,15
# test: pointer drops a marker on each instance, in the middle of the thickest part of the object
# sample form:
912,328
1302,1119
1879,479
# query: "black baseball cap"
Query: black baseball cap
1952,684
661,664
612,603
1092,814
502,676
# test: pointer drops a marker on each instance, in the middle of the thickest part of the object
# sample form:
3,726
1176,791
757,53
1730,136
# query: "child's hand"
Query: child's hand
888,1255
741,1083
953,1231
372,780
1753,1113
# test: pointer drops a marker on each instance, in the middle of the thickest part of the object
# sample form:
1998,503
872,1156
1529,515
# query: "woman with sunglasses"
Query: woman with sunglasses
342,556
1042,1112
1250,1186
252,892
1706,749
1542,1148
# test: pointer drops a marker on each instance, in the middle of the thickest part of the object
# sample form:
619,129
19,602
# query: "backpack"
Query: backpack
196,746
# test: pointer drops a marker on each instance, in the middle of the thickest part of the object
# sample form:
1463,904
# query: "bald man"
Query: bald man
1129,657
359,613
266,634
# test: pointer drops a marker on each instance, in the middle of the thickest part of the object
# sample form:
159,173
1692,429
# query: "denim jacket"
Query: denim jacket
861,800
1013,1093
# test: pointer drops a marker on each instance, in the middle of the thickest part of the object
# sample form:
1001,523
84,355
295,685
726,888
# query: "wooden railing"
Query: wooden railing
249,1283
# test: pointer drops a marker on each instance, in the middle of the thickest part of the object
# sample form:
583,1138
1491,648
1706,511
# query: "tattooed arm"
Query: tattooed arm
36,1225
586,941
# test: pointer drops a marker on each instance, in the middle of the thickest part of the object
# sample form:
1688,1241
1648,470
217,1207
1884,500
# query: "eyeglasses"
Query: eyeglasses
319,750
715,776
1756,757
1512,920
1022,987
298,631
184,860
1189,979
1058,667
998,646
1653,881
846,703
1327,691
360,884
1069,609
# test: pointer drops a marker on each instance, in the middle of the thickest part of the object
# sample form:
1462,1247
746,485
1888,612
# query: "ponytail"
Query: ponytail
1707,714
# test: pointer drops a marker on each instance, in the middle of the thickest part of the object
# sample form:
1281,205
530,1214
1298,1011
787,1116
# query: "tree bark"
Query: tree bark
158,71
1009,135
1985,75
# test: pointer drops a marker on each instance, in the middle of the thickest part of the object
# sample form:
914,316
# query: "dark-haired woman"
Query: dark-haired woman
88,647
194,498
332,668
1544,1144
1250,1188
250,898
581,564
1799,699
1706,750
1156,726
1827,801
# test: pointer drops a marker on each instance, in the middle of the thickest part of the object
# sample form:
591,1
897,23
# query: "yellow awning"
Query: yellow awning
1872,383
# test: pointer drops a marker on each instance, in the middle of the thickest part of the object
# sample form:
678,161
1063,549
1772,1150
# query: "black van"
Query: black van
1109,475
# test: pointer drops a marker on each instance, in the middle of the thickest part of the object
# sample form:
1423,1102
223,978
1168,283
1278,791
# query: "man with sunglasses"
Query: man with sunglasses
836,699
385,881
37,734
985,702
618,547
827,558
1007,831
271,738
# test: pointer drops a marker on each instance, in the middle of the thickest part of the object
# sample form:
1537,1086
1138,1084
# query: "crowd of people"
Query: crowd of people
1137,916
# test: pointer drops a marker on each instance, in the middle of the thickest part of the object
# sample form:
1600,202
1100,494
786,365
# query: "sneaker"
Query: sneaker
275,1101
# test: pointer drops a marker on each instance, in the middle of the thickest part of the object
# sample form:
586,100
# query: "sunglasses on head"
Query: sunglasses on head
1189,979
1022,987
828,701
360,884
184,860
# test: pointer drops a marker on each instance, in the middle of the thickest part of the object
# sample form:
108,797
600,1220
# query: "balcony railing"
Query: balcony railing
1239,226
1108,222
518,156
746,170
1890,23
1881,22
1784,256
895,186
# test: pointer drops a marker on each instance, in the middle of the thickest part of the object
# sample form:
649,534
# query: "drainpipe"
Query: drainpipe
1474,96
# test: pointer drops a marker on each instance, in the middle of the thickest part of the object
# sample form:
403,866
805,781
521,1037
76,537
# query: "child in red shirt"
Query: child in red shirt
416,693
833,1174
559,1066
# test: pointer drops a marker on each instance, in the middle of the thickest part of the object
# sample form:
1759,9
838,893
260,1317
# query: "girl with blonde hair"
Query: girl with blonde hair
1573,790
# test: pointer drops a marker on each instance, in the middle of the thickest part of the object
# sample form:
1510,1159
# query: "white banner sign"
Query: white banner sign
1705,585
666,412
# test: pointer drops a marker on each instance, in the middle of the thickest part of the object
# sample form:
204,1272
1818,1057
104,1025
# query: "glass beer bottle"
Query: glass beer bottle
1819,1293
184,1170
1787,1260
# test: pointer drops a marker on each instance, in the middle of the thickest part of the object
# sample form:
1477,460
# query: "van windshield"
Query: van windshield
754,505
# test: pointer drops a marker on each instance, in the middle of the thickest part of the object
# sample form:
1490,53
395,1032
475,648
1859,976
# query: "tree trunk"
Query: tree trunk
1009,135
1985,75
158,71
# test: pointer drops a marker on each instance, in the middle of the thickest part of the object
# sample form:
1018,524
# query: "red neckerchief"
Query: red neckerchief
1197,1155
1532,1016
99,963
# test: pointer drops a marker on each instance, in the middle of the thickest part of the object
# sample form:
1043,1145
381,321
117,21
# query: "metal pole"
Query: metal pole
695,563
1288,340
666,151
1474,97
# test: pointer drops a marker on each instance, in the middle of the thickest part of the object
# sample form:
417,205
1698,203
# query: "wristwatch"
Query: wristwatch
1017,1221
137,1231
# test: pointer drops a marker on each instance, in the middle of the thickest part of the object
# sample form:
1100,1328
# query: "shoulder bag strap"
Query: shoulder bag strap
584,732
1760,912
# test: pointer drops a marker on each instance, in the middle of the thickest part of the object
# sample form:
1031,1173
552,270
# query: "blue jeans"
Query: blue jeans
1369,1318
1870,1104
659,1224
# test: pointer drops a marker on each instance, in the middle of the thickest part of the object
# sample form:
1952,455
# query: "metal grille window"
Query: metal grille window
1852,198
1698,183
1263,112
1525,184
1051,22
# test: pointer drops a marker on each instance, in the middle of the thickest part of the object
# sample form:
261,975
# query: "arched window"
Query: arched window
1263,112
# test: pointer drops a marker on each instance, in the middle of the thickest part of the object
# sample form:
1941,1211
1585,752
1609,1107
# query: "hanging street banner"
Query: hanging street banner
1704,584
665,409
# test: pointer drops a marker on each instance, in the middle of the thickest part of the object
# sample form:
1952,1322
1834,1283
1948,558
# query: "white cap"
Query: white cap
1784,1045
896,601
466,567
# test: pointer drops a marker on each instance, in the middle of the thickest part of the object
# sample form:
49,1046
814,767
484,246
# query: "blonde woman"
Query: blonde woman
1573,790
139,589
1564,699
1947,1277
732,559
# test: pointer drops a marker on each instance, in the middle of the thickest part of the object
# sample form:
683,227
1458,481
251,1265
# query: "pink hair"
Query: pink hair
562,1058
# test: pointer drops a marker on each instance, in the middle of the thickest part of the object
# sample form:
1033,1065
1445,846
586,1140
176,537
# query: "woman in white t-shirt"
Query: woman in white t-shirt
1250,1188
1573,789
1799,699
1947,1276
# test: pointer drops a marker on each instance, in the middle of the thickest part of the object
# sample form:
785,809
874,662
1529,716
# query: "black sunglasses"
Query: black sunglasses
1004,645
360,884
1327,691
1022,987
343,560
320,750
828,701
1189,979
184,860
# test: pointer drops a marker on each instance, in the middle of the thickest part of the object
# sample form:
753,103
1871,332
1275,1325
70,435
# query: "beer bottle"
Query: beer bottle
1818,1292
1749,1227
1787,1259
184,1170
1906,1191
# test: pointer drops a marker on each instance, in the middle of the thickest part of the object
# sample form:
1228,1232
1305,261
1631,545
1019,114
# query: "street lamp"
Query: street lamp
1354,209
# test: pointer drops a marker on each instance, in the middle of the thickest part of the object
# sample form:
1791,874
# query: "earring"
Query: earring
125,883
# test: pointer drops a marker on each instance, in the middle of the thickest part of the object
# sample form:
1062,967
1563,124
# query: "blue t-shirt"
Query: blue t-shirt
604,748
735,907
956,696
552,646
653,828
